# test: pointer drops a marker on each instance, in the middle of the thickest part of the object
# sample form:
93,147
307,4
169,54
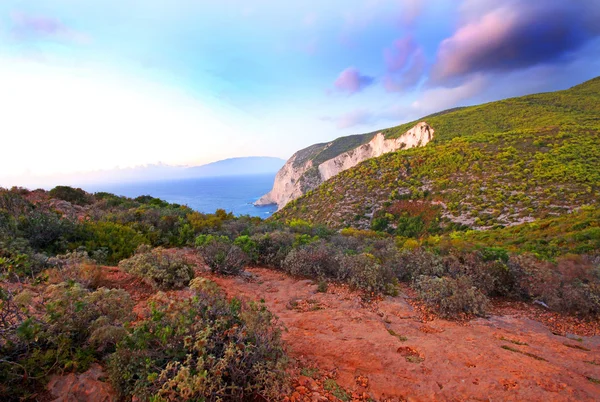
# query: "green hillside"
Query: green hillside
499,164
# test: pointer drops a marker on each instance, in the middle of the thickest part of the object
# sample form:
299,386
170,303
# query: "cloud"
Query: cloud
352,81
510,34
27,27
407,79
396,57
411,9
438,99
405,63
353,118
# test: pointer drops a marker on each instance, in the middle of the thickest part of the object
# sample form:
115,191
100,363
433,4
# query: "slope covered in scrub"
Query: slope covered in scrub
499,164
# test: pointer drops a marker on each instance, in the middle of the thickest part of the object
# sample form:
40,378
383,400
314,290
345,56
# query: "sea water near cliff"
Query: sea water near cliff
231,193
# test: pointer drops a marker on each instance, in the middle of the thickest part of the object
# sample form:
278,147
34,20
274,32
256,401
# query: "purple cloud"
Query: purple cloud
396,57
394,82
405,63
351,81
33,27
511,34
354,118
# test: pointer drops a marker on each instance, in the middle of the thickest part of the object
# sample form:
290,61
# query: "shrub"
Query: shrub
160,268
452,297
70,194
417,262
364,272
75,266
571,285
273,248
202,348
46,231
248,246
223,257
117,240
492,277
75,328
204,239
317,260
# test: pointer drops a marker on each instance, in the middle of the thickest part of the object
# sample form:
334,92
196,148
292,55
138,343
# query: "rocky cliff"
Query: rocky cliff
310,167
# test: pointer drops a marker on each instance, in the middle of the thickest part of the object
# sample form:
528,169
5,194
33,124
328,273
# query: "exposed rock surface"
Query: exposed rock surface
85,387
387,351
304,171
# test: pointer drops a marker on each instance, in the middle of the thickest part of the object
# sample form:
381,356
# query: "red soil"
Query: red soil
387,346
393,349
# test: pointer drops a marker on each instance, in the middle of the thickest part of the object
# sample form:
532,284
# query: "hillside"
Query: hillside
236,167
133,299
499,164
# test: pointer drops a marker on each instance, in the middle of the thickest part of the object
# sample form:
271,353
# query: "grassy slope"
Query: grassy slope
501,163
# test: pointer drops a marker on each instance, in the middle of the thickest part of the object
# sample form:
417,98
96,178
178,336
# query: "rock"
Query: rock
302,390
301,173
86,387
308,383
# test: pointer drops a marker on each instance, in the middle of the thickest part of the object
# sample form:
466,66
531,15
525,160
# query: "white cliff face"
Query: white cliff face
290,183
419,135
287,185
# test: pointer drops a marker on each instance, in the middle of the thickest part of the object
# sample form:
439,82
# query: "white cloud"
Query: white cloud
57,120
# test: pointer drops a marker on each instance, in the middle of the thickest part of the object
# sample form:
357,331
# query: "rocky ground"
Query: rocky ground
345,348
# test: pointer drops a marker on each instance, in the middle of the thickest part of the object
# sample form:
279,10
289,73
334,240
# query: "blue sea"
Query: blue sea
233,193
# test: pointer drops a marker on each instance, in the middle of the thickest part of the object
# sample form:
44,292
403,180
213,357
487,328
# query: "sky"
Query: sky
102,84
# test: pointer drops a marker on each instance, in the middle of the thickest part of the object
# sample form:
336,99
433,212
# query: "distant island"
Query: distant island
239,166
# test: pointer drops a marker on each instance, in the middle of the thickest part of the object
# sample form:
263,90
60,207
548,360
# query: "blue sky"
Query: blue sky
96,84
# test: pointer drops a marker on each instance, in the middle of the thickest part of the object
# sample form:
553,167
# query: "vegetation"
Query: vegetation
202,348
489,166
504,203
159,268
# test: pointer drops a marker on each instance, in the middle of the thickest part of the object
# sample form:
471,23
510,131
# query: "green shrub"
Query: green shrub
223,257
248,246
117,240
73,329
492,277
317,260
571,285
452,297
160,268
414,263
202,348
46,231
70,194
76,266
364,272
204,239
273,247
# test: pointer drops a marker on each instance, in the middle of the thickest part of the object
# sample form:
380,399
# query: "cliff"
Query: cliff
500,164
310,167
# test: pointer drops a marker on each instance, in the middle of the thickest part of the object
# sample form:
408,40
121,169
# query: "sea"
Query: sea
234,194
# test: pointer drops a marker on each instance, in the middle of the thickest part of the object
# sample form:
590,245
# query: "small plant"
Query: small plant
332,386
73,329
160,268
223,257
202,348
514,341
322,286
316,260
452,297
401,338
75,266
364,272
536,357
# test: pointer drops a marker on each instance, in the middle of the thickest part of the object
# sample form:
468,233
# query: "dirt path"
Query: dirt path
387,347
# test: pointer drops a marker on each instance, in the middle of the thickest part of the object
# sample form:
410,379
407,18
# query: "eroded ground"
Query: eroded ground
348,349
387,346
